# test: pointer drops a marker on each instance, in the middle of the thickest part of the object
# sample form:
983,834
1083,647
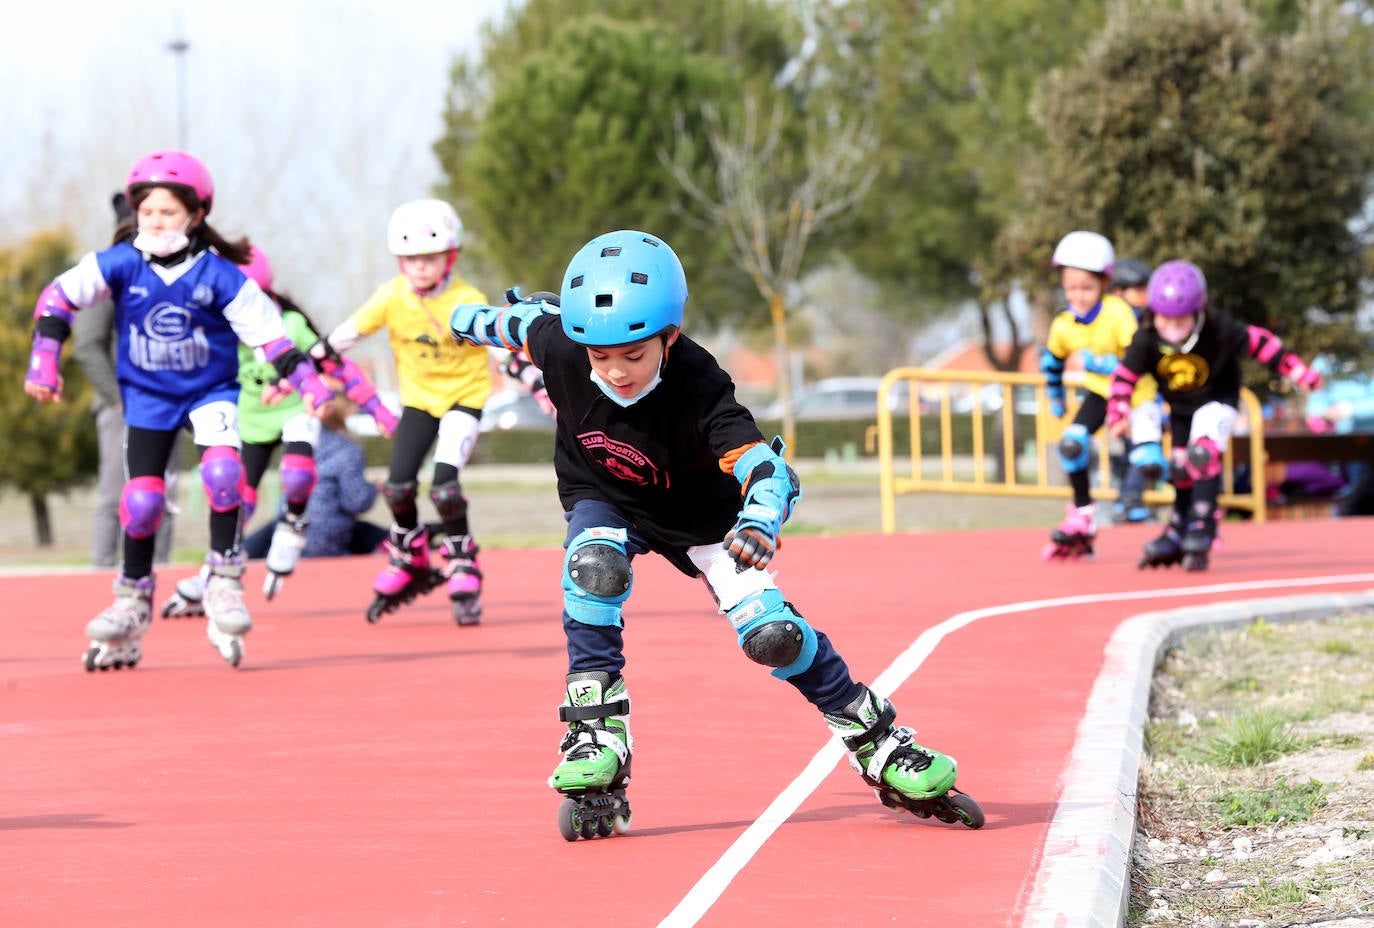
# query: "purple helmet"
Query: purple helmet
1177,288
172,167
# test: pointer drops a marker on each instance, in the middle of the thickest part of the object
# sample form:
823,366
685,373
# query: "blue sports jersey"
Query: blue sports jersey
178,327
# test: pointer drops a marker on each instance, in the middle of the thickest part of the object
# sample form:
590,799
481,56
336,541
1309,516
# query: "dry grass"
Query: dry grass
1285,841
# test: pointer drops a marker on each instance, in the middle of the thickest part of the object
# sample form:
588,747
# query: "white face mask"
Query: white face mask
162,244
626,401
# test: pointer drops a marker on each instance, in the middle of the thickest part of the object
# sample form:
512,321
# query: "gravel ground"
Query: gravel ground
1286,835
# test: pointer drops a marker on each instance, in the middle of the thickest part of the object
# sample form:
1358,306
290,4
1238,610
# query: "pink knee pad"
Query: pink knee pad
298,477
1179,475
141,505
1204,459
221,472
250,502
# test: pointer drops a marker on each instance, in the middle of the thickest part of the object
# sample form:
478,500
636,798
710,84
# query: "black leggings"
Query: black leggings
146,454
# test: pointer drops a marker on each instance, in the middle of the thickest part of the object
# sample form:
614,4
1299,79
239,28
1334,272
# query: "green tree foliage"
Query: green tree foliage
557,135
50,447
1189,131
948,85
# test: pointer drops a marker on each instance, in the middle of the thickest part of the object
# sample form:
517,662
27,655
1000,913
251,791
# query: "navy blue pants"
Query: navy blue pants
827,684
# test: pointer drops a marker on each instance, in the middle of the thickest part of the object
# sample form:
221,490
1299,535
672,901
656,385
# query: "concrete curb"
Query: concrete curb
1083,880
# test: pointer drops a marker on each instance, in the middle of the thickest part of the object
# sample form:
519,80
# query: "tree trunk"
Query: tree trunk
42,519
780,338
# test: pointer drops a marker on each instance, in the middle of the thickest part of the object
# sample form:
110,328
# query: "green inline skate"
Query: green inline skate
596,757
903,774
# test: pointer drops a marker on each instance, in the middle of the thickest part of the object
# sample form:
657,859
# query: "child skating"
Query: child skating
443,388
270,417
1098,326
182,305
653,453
1194,354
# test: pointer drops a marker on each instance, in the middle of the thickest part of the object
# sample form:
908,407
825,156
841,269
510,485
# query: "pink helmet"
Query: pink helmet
258,269
173,167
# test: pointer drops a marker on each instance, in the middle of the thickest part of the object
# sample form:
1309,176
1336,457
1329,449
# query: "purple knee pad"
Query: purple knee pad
221,471
141,505
298,477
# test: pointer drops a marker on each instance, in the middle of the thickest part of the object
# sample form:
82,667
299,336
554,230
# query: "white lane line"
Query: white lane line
714,881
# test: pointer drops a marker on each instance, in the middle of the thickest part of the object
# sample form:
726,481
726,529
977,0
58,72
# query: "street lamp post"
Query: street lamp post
179,47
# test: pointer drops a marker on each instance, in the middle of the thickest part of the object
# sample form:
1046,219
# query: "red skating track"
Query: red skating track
358,775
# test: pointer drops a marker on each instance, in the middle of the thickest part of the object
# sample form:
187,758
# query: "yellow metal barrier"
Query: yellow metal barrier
952,394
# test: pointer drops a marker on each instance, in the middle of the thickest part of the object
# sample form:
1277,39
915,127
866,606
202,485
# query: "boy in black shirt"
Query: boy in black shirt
651,453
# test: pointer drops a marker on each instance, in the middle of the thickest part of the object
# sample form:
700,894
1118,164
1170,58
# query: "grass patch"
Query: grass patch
1250,738
1282,803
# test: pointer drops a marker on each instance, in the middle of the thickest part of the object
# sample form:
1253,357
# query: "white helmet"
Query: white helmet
424,227
1086,251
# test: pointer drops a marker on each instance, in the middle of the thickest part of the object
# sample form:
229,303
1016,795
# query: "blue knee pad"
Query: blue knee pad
1073,448
1148,458
221,472
773,634
597,577
141,505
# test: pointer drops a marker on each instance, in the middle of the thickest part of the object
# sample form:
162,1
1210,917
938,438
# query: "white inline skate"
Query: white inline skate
187,599
227,619
288,541
117,632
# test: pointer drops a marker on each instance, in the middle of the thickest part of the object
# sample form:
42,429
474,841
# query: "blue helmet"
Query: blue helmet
622,287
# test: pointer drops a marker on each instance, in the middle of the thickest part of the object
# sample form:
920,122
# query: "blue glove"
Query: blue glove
1098,363
771,491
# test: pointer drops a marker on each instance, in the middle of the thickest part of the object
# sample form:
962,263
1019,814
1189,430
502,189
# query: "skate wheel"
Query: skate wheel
568,825
467,612
605,826
1194,562
889,800
375,611
232,652
1050,552
271,584
968,811
88,659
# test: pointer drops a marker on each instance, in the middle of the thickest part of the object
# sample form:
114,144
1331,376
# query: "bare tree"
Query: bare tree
771,196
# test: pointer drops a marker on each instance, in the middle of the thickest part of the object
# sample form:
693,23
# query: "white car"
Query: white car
840,398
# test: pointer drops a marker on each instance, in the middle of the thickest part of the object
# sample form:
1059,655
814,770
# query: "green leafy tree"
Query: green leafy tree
49,447
556,134
947,85
1190,131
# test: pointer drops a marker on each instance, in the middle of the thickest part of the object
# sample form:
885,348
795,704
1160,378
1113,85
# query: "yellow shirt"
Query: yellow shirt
1108,334
435,372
